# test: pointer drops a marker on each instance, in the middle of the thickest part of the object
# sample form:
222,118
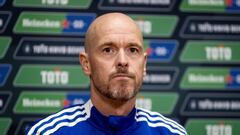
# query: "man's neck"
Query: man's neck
111,107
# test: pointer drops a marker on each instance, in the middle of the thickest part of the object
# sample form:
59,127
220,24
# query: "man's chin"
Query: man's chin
123,99
123,94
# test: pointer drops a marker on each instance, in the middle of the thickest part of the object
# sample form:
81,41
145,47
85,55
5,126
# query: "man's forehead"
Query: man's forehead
109,24
114,23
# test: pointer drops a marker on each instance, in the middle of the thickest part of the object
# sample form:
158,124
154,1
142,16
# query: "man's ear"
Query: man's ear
145,64
83,58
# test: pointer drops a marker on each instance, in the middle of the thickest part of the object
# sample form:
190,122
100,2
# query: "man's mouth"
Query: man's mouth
122,76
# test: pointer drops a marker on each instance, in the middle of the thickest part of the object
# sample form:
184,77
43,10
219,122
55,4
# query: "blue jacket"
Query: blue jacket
87,120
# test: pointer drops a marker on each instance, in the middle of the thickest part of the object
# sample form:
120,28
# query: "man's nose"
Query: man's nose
122,59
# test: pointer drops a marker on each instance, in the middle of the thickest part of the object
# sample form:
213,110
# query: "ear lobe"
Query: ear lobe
85,63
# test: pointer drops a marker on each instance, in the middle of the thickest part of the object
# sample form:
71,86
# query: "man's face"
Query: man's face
117,62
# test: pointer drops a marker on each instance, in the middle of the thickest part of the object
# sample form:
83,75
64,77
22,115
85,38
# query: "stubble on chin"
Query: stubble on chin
121,91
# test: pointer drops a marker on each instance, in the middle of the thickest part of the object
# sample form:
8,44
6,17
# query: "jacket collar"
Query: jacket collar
112,123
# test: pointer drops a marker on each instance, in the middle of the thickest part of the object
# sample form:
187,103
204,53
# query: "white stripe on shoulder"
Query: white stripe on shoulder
72,109
69,124
87,106
64,117
160,117
159,124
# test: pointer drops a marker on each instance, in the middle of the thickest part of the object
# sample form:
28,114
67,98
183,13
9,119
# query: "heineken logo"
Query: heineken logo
227,6
211,78
39,102
43,23
54,23
27,102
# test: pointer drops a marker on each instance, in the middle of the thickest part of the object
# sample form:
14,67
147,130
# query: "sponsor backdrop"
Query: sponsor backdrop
193,73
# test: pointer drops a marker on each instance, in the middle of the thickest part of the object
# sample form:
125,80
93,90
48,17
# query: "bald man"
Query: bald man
115,61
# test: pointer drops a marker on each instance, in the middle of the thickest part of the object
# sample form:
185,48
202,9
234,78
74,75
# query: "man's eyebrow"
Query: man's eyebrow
134,44
111,43
107,43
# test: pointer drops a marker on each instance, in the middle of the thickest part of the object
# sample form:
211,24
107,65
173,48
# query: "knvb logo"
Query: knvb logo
160,50
54,23
4,19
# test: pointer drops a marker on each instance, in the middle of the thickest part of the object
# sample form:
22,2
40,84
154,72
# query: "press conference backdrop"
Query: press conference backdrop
193,73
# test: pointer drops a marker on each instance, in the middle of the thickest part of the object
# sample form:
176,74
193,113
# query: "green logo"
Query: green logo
227,6
204,5
48,102
51,76
77,4
213,126
40,102
4,125
156,25
4,44
53,23
211,52
211,78
158,102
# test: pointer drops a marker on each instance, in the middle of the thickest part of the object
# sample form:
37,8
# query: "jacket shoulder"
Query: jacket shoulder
67,117
157,120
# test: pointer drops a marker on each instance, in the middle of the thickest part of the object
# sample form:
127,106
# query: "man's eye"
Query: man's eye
108,50
133,50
